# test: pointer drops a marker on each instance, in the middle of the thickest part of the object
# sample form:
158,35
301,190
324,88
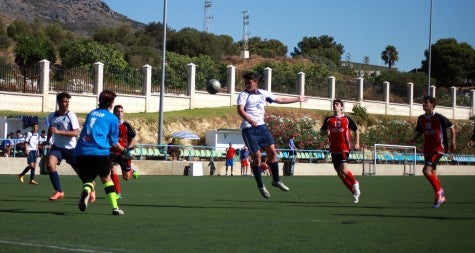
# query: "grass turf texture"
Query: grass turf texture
227,214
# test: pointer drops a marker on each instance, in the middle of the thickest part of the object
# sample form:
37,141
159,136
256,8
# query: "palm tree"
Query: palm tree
390,55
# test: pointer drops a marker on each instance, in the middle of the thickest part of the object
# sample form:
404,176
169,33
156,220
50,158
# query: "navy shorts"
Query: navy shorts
257,138
63,153
32,156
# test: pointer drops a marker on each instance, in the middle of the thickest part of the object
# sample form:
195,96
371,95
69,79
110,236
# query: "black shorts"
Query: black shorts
89,167
339,158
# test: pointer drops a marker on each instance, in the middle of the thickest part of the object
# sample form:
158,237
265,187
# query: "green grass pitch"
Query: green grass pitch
227,214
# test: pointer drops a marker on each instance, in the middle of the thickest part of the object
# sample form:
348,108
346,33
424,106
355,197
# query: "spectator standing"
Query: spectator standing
230,152
63,129
244,157
31,147
292,147
256,135
337,128
433,126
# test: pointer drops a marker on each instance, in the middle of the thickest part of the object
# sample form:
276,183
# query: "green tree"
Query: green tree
265,48
84,52
17,27
323,46
30,50
452,63
390,55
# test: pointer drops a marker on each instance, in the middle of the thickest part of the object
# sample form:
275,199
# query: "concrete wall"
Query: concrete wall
177,168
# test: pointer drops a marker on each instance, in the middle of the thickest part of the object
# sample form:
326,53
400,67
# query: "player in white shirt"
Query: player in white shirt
31,148
63,130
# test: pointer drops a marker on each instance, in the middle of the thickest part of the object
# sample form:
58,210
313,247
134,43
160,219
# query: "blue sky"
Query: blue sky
363,27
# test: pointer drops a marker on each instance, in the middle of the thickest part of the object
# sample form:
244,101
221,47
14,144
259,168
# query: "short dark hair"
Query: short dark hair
117,107
251,76
61,96
106,99
338,101
431,100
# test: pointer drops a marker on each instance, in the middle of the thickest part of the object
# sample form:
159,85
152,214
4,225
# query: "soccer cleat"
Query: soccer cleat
135,174
356,193
280,185
92,197
264,192
33,182
84,200
56,196
439,199
117,211
20,177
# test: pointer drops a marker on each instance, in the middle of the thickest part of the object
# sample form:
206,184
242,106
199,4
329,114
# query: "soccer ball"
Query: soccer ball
213,86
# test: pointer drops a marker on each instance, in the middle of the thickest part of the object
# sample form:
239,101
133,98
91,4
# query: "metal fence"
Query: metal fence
76,79
15,79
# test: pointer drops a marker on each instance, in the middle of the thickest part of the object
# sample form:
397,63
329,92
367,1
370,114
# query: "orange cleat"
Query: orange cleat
56,196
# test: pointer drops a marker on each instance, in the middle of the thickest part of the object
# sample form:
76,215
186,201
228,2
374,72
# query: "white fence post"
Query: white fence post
359,89
432,90
386,95
268,79
147,86
231,84
410,96
191,82
331,90
44,83
301,83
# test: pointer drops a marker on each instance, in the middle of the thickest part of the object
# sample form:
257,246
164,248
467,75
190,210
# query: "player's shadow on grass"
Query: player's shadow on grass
23,211
407,216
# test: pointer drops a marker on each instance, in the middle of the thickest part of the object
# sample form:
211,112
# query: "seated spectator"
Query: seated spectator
20,143
173,150
7,145
41,143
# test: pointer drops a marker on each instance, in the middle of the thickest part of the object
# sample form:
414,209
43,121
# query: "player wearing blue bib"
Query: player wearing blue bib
99,133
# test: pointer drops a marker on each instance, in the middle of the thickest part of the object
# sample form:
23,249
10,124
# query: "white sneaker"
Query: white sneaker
439,199
264,192
280,185
356,193
117,211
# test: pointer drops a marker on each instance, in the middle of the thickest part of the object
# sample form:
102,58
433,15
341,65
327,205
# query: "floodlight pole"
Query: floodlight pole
430,50
162,82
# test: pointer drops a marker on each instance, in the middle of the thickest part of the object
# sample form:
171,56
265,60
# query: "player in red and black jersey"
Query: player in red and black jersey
127,139
434,128
338,129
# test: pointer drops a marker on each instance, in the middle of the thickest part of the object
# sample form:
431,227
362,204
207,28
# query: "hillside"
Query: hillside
79,16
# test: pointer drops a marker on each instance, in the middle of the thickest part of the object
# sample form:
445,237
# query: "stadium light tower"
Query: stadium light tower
208,18
430,50
245,35
162,82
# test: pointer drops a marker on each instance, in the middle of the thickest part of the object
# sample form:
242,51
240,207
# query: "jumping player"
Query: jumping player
433,126
337,128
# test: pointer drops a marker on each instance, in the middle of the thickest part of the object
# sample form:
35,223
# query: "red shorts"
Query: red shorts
244,163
